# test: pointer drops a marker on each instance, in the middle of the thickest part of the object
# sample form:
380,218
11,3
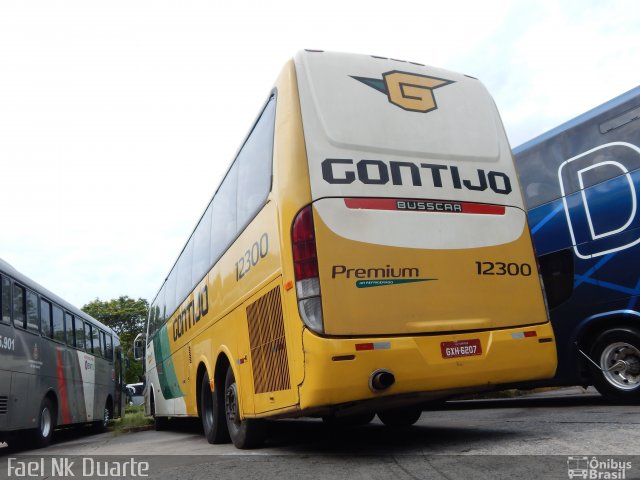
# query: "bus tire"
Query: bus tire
46,424
159,423
349,420
621,384
212,412
400,417
247,433
101,425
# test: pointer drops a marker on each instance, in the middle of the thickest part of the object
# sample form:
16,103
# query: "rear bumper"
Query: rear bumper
336,373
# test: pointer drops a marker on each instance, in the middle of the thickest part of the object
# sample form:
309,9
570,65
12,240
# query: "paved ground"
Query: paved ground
464,440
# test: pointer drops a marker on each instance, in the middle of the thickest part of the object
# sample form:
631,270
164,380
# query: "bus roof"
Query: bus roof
8,269
615,102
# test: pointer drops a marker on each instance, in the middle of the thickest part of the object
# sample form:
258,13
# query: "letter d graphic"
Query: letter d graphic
604,217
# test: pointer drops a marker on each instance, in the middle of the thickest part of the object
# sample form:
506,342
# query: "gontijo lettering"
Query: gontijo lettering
380,172
191,313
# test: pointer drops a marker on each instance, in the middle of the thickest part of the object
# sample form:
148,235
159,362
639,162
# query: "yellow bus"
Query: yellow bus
366,251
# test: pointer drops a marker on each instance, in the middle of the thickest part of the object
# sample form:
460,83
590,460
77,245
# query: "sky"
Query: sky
118,119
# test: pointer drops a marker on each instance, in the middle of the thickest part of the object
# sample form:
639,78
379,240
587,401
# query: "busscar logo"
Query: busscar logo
409,91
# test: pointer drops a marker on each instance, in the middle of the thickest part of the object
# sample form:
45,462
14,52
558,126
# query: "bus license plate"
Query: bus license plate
461,348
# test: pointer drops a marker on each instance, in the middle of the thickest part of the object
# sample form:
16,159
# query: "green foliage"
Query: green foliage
127,317
133,419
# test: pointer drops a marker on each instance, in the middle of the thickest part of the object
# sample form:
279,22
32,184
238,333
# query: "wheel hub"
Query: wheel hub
45,423
231,404
620,364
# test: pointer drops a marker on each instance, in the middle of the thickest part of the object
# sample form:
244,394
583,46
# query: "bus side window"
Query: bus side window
58,324
88,339
33,319
223,214
183,273
159,316
5,300
103,344
255,166
170,292
45,318
201,254
68,322
79,333
19,318
95,336
109,349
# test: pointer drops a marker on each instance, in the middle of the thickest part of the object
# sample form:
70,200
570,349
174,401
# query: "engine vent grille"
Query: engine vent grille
4,405
268,345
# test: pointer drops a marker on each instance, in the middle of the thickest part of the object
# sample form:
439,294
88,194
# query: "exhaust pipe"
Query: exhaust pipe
381,379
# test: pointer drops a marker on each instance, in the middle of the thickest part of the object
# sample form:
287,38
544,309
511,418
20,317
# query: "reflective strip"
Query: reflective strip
429,206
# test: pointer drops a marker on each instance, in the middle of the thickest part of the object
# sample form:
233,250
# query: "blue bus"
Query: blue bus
581,183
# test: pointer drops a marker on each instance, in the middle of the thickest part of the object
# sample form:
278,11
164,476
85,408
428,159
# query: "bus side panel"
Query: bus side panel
66,381
5,390
218,338
163,377
373,289
26,379
7,359
104,387
23,405
260,256
266,371
162,405
292,192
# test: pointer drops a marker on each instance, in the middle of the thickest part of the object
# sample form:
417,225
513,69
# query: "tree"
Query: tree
127,317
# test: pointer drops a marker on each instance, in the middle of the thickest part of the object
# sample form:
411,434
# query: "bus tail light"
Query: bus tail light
305,264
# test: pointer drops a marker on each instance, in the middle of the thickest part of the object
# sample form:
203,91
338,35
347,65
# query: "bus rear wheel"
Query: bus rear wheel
46,424
400,417
101,425
212,412
247,433
617,352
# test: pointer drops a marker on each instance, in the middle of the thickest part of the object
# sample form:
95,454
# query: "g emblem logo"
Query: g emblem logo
409,91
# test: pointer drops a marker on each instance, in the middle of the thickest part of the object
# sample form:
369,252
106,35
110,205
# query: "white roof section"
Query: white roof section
354,115
359,107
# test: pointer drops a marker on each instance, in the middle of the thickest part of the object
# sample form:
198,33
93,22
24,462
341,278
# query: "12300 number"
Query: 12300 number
502,268
252,256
